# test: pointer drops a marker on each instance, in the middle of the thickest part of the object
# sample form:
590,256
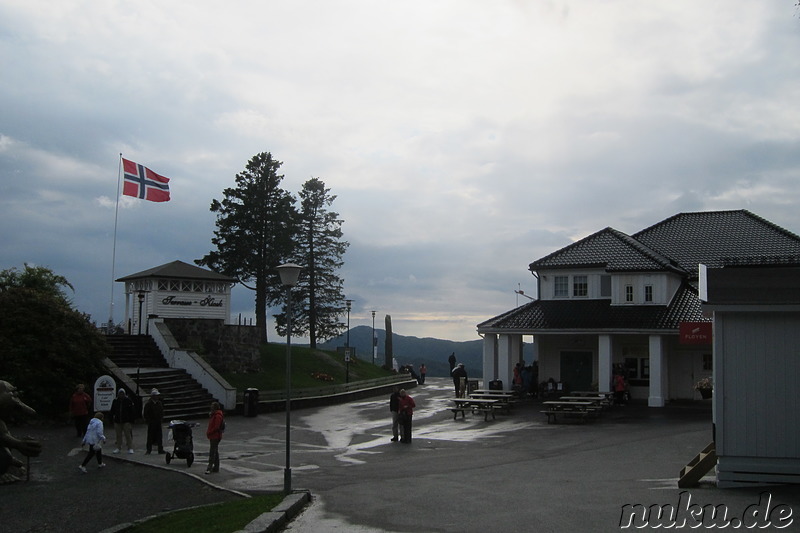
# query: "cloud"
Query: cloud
463,139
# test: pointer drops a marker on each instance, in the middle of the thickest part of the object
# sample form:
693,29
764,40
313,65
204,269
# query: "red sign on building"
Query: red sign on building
695,333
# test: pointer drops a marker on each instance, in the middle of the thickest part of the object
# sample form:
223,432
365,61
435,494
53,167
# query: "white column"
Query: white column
604,365
658,372
489,358
509,354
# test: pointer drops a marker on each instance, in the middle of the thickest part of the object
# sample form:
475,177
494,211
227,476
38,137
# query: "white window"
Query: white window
629,293
561,286
580,286
648,293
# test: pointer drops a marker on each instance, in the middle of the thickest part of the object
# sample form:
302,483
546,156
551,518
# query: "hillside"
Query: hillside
416,350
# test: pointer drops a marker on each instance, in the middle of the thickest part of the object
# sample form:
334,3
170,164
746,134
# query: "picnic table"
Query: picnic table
506,399
485,405
604,399
504,392
573,408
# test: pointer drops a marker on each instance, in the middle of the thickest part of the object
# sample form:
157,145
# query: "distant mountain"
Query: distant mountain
415,350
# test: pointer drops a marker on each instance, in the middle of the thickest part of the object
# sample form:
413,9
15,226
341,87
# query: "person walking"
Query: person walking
216,425
80,405
153,413
123,415
458,373
94,437
394,408
422,371
406,411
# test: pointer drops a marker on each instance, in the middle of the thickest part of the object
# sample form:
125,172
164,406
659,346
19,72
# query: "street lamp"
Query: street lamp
141,301
349,304
374,344
289,274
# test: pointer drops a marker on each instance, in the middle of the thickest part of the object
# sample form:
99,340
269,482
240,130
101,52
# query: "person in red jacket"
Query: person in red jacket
79,405
406,410
216,425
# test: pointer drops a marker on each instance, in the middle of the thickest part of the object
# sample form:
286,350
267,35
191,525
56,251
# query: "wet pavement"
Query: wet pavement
514,473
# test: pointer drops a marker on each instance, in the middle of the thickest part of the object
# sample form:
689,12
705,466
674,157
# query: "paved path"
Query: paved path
515,473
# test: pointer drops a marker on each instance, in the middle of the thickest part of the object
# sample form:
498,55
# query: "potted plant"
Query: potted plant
705,387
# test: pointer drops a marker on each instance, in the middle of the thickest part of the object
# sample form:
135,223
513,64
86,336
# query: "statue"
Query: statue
11,469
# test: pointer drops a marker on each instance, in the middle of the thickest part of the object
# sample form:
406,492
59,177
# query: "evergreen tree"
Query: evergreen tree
255,228
47,346
319,248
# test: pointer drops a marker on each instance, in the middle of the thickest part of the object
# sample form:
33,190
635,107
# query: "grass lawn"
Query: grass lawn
310,368
219,518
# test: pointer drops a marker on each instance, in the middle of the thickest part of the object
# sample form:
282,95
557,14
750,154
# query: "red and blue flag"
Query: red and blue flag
141,182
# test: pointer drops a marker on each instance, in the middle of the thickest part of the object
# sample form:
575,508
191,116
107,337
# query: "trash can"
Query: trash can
496,384
250,402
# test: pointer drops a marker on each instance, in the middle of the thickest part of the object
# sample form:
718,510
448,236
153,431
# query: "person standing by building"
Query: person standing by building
619,388
394,408
459,373
94,437
422,371
216,425
123,415
153,413
80,405
406,411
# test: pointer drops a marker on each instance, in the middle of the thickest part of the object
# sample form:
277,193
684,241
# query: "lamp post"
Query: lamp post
349,304
141,301
374,344
289,274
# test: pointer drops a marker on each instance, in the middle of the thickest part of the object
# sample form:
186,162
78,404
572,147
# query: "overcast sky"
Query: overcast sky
464,139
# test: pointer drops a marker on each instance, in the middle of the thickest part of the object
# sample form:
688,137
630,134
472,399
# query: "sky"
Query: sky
463,139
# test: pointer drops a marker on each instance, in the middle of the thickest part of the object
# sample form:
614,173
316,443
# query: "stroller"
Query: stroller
182,435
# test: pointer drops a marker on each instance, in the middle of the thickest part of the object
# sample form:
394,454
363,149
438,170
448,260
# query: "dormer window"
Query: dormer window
629,293
580,286
561,286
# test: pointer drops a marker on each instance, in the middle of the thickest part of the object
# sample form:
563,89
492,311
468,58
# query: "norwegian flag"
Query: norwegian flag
141,182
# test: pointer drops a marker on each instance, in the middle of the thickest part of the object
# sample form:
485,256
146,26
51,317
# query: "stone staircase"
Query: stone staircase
141,360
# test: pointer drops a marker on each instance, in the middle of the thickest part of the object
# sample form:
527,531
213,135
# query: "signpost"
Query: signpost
104,393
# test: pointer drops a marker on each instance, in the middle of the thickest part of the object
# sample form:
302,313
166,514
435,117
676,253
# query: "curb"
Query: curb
277,519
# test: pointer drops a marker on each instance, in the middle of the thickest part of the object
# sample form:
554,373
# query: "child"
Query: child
95,438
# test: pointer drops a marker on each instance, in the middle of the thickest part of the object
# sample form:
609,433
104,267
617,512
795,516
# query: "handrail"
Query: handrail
332,390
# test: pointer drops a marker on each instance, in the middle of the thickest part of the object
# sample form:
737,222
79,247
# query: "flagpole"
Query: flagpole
114,248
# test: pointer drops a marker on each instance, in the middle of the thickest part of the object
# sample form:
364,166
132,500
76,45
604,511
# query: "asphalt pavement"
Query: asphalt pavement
513,473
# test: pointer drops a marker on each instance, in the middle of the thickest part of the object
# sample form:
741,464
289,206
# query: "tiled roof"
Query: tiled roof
598,315
178,270
609,249
678,244
716,237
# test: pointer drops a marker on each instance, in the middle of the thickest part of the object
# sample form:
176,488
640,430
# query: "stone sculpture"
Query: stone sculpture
11,468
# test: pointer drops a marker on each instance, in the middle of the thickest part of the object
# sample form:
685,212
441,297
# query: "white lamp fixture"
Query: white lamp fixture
289,272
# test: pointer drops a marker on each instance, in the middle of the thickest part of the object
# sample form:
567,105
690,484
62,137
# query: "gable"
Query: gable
609,249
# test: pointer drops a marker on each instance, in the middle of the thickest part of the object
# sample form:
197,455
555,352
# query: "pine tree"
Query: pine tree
255,227
319,248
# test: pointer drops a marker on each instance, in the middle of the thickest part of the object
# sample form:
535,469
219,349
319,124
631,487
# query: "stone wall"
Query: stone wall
226,347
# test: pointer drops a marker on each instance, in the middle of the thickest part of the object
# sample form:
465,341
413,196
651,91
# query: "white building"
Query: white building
613,300
175,290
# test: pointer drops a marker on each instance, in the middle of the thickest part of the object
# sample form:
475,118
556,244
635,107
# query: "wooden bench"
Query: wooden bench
566,413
